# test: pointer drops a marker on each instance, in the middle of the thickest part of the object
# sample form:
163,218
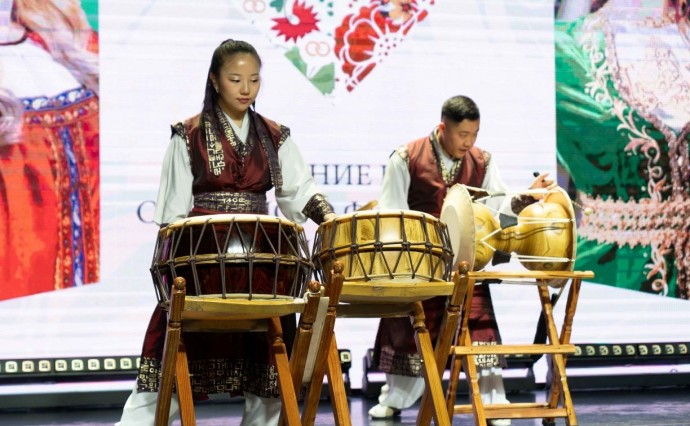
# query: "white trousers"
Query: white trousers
140,410
403,391
491,385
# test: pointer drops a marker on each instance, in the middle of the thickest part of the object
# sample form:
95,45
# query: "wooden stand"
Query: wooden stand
377,299
214,314
559,404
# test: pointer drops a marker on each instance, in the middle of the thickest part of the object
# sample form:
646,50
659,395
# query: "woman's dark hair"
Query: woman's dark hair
460,108
226,50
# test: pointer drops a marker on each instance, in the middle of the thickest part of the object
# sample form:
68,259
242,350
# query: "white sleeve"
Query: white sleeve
298,183
395,185
494,183
175,192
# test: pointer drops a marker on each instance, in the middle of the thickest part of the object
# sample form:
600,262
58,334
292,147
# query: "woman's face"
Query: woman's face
237,84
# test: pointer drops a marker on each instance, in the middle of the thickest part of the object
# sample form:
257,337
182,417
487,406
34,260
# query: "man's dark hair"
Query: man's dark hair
460,108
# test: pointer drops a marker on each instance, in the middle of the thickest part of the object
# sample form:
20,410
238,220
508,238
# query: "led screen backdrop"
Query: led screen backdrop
623,113
353,80
49,213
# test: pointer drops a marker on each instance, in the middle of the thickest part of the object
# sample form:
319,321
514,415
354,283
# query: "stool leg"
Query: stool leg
173,338
560,387
325,350
555,386
446,338
456,360
433,381
287,390
304,336
184,388
165,388
468,361
451,392
473,384
336,387
313,389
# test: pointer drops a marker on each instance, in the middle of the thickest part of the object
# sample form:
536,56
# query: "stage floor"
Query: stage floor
659,407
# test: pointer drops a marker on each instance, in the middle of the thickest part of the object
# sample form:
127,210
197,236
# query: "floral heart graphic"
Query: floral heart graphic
336,44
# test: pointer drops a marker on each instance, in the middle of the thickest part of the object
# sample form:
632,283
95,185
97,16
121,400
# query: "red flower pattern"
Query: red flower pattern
366,38
306,22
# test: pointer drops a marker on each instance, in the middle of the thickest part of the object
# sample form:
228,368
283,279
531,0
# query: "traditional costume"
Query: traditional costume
417,177
49,175
228,170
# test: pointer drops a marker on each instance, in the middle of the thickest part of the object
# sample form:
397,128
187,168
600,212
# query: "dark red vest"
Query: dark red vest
252,175
427,188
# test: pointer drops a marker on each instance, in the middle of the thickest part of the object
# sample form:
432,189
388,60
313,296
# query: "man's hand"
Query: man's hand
542,181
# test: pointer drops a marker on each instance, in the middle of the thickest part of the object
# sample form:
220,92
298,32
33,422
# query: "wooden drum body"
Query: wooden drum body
399,246
232,255
544,237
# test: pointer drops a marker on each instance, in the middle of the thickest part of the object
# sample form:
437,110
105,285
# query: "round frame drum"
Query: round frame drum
384,245
232,255
544,237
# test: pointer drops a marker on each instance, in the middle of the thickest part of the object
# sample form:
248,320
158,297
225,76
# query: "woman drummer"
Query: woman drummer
224,160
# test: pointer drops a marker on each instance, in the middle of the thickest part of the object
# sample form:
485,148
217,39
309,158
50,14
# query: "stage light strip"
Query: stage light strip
52,367
12,368
632,350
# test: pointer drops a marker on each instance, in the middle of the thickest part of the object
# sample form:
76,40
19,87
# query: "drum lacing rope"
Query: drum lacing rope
172,257
249,257
276,258
427,248
192,256
318,242
300,252
405,244
354,249
176,244
446,258
378,247
221,257
155,272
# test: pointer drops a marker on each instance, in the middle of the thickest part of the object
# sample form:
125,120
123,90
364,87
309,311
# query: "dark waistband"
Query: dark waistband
232,202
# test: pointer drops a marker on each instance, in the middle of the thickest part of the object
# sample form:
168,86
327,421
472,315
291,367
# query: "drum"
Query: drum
384,245
232,255
544,237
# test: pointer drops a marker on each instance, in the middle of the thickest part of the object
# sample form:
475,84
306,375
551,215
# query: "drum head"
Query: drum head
458,216
230,218
559,196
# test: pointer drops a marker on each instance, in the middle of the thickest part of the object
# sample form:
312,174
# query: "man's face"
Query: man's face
457,138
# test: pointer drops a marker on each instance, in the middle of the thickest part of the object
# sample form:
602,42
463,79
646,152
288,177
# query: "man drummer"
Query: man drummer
417,177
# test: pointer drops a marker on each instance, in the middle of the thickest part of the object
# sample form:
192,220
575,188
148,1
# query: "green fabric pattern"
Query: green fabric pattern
90,8
591,149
